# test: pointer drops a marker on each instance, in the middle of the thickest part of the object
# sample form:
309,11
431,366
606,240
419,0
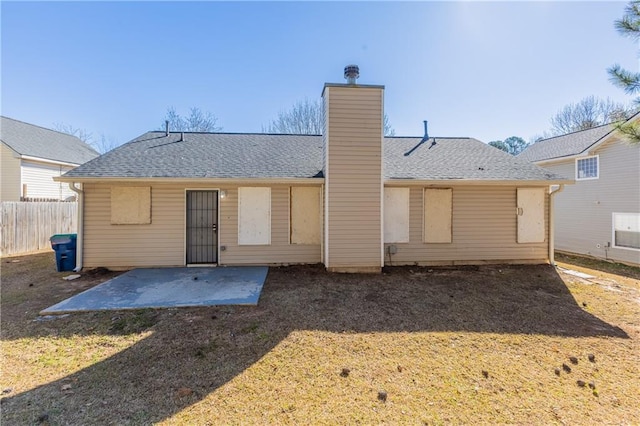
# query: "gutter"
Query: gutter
80,238
552,260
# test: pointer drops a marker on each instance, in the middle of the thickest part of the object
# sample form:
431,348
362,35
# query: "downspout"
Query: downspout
552,226
80,239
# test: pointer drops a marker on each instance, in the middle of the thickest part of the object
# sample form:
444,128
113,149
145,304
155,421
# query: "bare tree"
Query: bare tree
105,144
307,118
81,134
196,121
589,112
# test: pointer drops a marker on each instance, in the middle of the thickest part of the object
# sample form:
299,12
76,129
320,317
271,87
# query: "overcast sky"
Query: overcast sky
484,70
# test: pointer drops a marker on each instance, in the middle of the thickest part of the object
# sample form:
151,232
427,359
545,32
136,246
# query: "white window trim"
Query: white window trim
597,157
613,232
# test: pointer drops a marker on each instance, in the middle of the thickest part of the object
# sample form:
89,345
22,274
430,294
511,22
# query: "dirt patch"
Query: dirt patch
487,345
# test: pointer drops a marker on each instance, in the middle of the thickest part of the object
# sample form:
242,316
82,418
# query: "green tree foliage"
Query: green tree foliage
513,145
628,26
196,121
307,118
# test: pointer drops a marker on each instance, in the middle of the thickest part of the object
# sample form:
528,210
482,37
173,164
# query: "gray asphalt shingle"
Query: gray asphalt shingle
236,155
36,141
565,145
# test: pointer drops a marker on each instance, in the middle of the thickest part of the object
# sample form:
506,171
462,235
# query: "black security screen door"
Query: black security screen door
202,227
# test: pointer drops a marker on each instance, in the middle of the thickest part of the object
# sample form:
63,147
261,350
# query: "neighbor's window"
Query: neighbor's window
254,216
587,168
626,230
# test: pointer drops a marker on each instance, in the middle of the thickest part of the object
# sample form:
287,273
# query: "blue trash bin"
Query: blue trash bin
65,247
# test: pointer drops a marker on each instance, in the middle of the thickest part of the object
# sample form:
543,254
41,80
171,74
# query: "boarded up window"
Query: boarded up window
531,215
396,215
305,215
438,215
254,216
130,205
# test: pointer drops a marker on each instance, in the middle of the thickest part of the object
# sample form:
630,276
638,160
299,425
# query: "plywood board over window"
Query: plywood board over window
438,212
305,215
254,216
130,205
396,215
530,211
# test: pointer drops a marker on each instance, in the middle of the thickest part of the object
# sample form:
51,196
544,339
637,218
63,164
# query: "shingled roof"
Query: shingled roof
35,141
268,156
566,145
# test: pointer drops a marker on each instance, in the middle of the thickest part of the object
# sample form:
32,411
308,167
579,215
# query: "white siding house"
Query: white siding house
31,156
599,216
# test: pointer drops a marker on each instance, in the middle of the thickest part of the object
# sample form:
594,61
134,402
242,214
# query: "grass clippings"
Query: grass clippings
467,345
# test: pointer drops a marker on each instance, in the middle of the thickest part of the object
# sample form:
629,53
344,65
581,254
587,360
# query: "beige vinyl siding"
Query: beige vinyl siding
353,188
484,230
280,251
583,211
162,243
10,174
38,178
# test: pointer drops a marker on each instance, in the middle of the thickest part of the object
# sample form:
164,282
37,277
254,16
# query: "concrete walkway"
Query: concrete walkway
169,288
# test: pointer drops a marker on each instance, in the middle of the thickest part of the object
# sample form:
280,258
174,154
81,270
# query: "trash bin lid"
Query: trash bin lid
62,238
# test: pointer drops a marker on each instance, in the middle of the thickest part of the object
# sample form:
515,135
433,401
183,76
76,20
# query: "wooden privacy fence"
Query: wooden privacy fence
26,227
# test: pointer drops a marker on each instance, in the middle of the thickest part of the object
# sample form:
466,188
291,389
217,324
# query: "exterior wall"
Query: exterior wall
583,211
38,178
162,243
353,178
484,230
10,177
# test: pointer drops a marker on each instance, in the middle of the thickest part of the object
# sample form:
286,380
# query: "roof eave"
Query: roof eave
476,182
218,181
46,160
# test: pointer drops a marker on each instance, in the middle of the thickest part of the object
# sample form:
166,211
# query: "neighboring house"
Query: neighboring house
351,198
31,156
599,216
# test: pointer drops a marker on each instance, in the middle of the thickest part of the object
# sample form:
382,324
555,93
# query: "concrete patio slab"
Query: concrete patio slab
170,287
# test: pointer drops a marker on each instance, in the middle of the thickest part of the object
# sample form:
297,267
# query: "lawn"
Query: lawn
465,345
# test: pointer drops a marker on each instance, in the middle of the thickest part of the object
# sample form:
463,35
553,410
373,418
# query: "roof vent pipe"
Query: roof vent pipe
166,127
426,131
351,73
181,136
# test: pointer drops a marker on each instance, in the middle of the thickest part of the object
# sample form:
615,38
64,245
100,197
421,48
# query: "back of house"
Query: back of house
599,216
350,198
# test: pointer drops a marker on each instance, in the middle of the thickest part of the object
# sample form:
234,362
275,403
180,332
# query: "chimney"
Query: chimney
353,137
351,73
166,127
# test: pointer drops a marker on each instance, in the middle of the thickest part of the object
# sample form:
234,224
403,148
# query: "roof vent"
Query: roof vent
351,73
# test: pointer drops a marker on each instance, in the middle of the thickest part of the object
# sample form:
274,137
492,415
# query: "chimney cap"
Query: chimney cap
351,73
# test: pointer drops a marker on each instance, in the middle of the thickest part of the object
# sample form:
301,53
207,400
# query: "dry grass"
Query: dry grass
446,345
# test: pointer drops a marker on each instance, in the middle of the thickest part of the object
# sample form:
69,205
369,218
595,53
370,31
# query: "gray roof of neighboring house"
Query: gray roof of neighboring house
35,141
234,155
565,145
